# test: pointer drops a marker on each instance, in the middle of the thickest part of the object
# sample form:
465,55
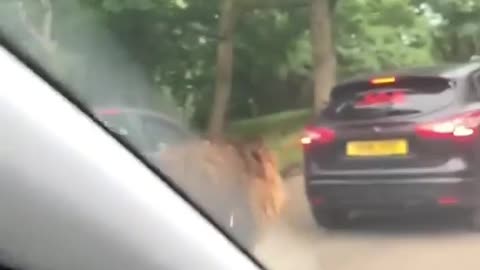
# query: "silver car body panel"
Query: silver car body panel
72,197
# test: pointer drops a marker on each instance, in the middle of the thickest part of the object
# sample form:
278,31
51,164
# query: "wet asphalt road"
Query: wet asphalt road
370,243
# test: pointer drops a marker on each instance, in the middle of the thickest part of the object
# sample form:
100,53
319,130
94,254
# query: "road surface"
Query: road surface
394,243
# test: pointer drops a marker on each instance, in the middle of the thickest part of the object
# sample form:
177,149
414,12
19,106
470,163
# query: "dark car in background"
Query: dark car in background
151,130
397,141
153,133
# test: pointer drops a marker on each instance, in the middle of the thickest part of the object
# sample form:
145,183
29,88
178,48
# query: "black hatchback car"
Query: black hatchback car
398,141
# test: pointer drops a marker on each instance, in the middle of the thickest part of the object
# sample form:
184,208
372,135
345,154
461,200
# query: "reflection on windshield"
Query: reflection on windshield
217,93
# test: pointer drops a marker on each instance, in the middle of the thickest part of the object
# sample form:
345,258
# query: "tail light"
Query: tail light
318,135
448,200
317,200
461,127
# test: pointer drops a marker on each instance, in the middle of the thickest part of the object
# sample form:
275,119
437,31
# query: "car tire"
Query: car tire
332,219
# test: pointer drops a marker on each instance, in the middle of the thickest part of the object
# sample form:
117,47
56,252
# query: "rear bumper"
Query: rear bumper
383,194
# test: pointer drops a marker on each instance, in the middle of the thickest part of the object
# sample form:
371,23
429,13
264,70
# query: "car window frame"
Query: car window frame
329,114
8,49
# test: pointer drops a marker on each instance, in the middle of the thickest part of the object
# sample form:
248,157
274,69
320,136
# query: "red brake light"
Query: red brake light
447,200
318,200
319,135
464,126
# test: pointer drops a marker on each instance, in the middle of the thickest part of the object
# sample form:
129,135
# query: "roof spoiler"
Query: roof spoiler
402,81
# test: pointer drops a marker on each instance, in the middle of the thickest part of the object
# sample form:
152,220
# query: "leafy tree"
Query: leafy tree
456,31
375,35
153,51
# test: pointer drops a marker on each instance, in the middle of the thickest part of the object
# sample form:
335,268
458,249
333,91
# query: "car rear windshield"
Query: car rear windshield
366,100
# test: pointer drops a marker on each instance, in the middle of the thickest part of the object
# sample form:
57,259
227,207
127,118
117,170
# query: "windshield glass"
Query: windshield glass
217,94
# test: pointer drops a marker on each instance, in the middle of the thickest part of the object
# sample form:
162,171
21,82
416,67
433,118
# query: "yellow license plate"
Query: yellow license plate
377,148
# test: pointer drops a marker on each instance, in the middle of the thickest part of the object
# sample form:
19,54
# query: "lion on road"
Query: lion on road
238,183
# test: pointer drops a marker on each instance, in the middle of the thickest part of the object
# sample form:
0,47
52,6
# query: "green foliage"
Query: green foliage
457,28
170,46
119,5
265,65
156,51
277,124
281,132
377,34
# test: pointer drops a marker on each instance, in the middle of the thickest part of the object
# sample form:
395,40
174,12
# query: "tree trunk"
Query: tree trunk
323,52
224,70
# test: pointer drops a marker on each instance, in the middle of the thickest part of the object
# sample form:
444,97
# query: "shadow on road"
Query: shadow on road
391,223
402,224
395,242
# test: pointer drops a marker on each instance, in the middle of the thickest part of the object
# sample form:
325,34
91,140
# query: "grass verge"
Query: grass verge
281,131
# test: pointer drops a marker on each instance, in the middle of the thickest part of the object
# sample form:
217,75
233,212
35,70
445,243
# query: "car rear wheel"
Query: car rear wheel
332,218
